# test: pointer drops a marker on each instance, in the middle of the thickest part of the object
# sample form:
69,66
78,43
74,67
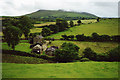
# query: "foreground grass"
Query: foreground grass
108,27
61,70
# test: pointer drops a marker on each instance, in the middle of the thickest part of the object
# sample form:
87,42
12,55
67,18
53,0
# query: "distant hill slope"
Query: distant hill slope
51,14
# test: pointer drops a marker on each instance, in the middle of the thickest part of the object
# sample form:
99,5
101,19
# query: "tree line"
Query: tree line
94,37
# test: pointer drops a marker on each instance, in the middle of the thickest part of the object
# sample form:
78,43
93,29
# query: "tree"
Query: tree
80,37
98,19
25,24
95,37
79,22
54,28
62,24
116,38
46,31
88,53
70,46
67,53
71,24
114,54
65,37
71,37
12,36
105,38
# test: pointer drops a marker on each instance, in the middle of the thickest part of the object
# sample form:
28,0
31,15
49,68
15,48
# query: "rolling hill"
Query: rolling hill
50,14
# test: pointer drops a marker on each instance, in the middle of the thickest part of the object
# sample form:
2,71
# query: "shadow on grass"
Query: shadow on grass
20,53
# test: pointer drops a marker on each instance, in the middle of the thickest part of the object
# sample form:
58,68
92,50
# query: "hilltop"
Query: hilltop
53,14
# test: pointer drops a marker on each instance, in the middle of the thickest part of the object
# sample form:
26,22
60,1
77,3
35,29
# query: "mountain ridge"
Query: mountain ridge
60,14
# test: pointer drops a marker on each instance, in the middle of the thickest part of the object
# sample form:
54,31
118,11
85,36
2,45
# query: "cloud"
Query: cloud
98,7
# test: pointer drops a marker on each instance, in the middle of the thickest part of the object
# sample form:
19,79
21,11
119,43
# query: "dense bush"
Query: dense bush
70,46
116,38
88,53
84,59
80,37
114,55
71,37
102,57
67,53
94,37
46,31
65,37
54,28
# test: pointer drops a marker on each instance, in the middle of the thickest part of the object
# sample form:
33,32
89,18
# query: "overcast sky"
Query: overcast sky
101,8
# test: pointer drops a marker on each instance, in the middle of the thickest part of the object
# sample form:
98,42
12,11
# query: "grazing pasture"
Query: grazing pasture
35,30
44,24
98,47
25,47
108,27
61,70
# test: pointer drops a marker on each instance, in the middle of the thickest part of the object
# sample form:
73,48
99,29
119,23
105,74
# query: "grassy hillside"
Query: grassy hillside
12,58
98,47
108,27
61,70
59,13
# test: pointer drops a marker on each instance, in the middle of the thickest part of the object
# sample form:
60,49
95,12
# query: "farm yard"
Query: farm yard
99,47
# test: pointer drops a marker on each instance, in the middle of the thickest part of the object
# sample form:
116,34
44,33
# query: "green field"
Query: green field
25,47
38,30
98,47
85,21
35,30
44,24
108,27
61,70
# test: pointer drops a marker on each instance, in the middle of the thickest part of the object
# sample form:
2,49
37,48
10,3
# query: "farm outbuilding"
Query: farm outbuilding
50,51
39,44
38,39
37,49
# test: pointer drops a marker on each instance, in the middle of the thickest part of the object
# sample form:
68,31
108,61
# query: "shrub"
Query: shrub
71,37
104,38
69,52
63,55
84,59
95,36
114,55
65,37
88,53
70,46
80,37
102,57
